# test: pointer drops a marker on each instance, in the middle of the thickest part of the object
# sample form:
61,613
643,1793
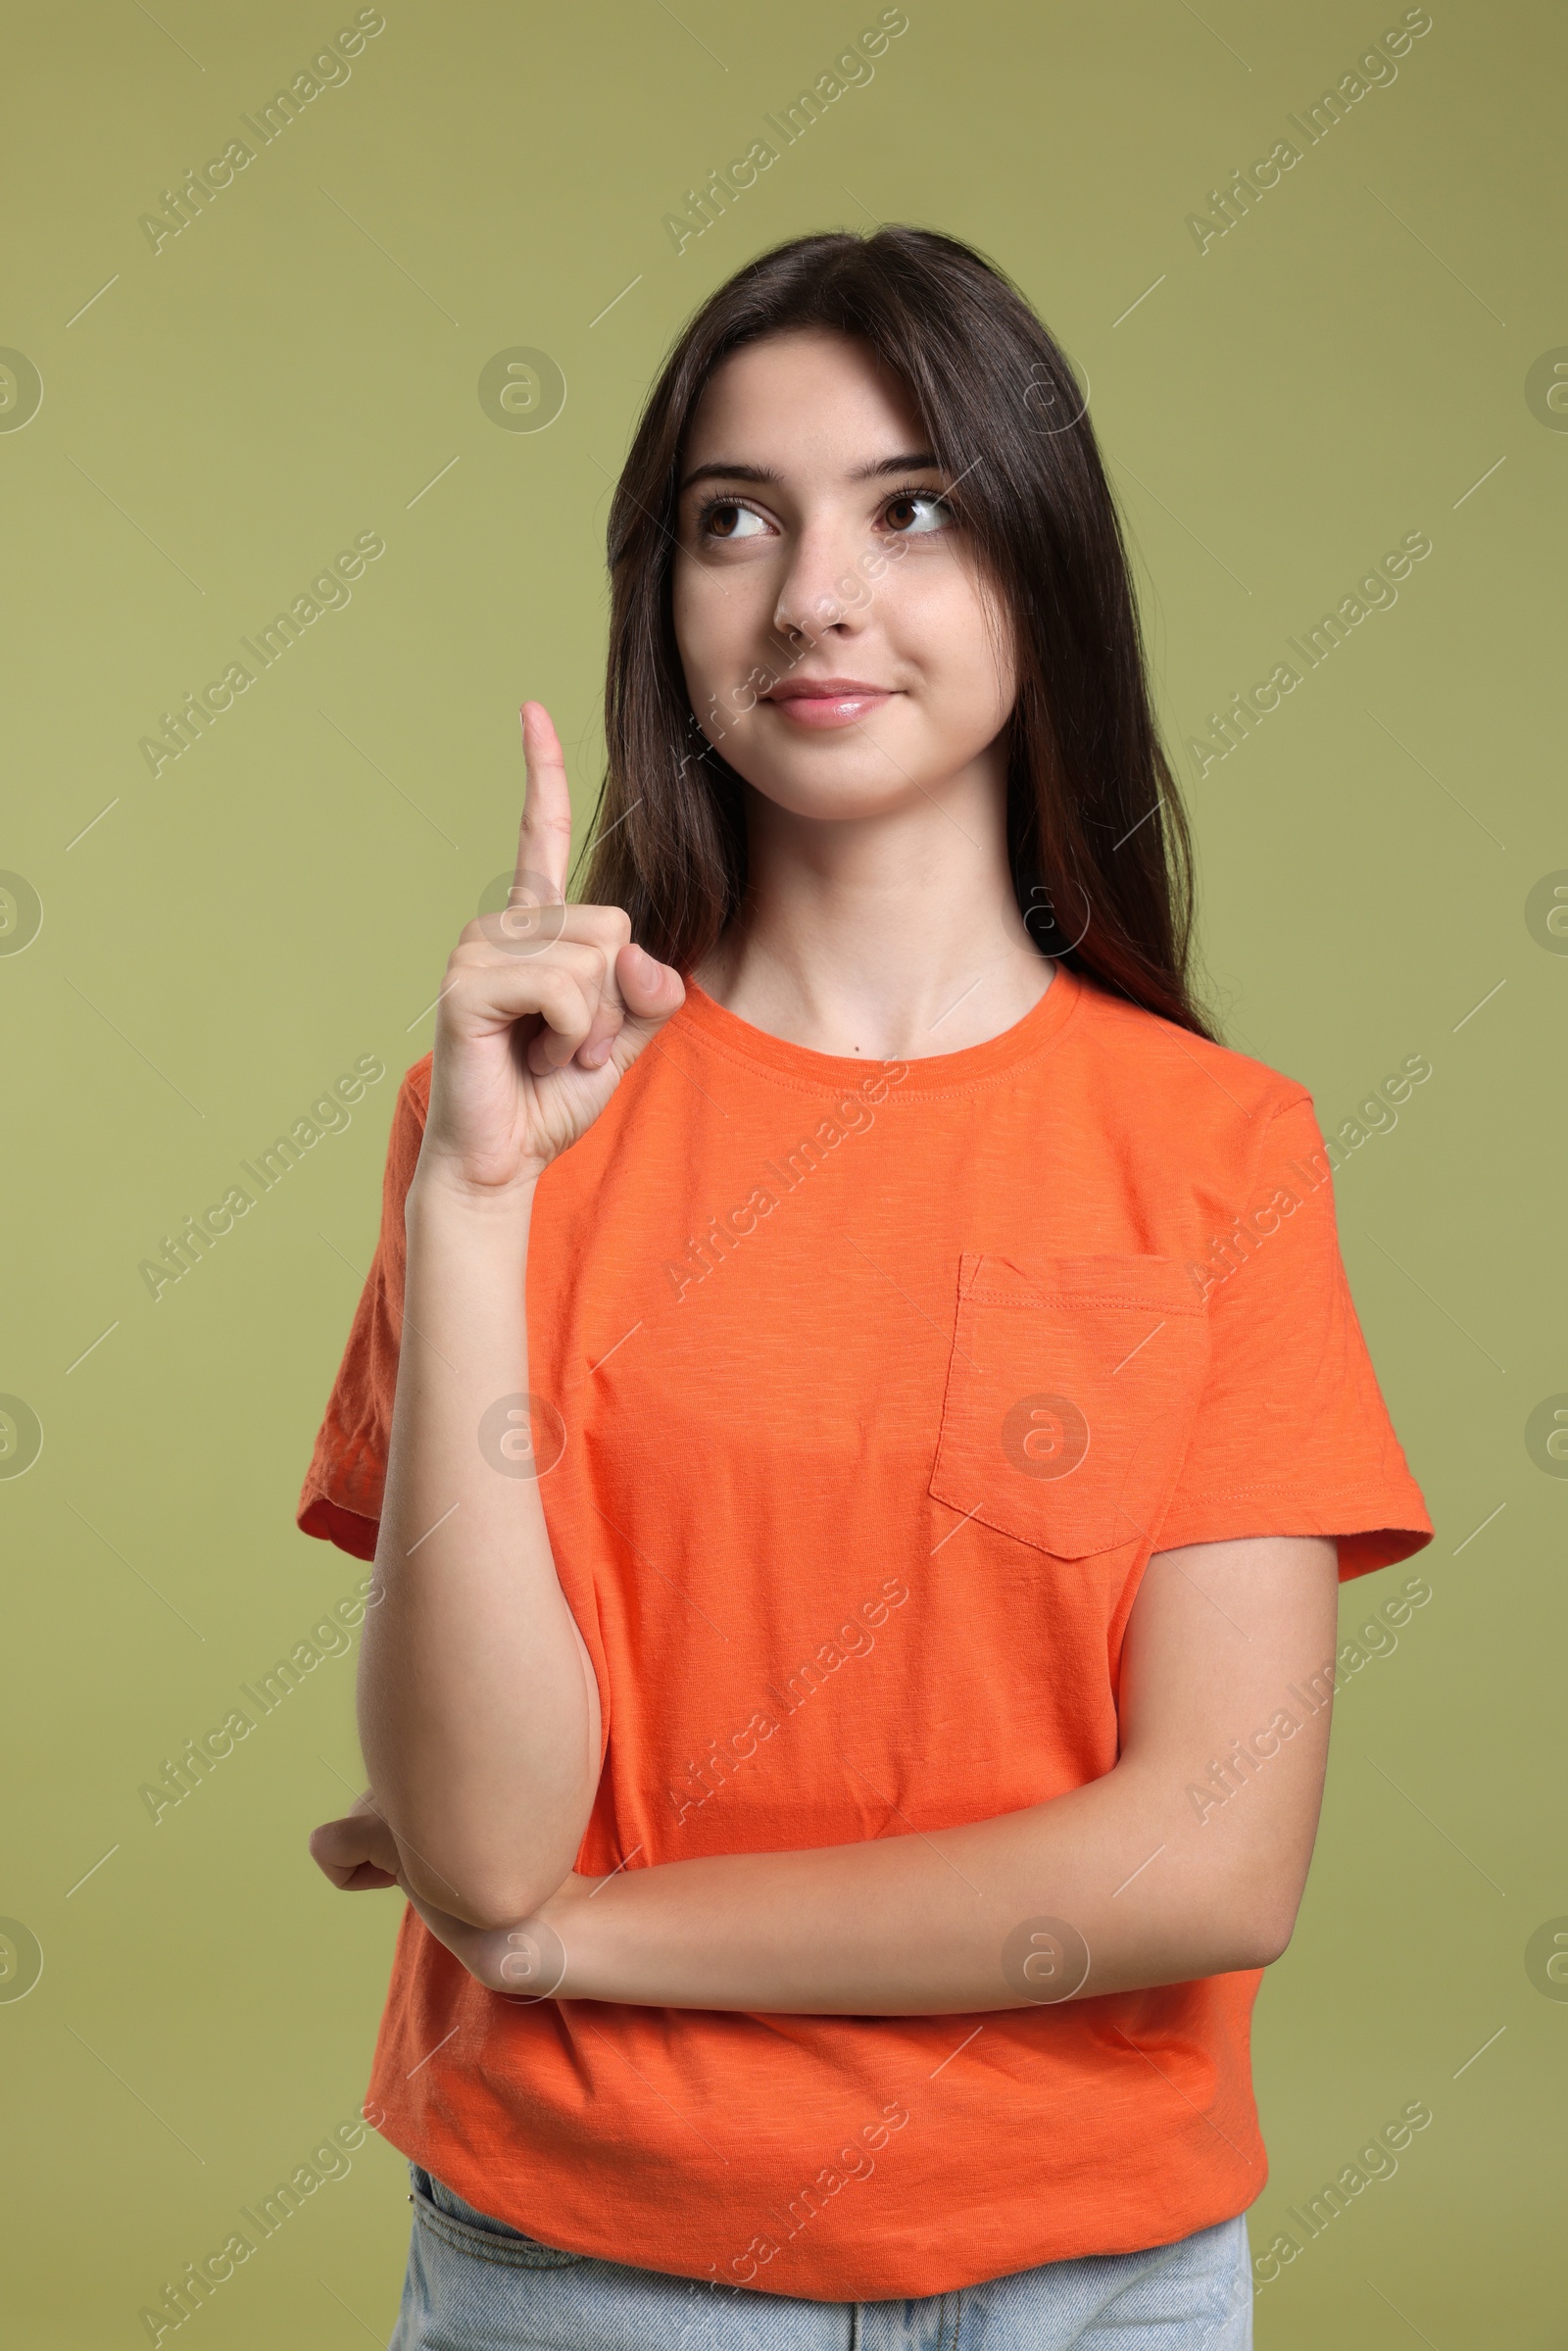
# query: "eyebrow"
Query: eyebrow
911,462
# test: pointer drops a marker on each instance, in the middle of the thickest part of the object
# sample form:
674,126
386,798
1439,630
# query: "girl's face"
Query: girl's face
831,620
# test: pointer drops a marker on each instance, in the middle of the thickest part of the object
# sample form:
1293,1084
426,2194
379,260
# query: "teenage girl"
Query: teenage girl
858,1417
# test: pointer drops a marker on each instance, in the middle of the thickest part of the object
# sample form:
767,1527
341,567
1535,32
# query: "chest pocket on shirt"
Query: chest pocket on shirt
1072,1391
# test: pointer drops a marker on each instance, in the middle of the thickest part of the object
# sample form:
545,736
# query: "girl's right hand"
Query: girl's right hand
544,1009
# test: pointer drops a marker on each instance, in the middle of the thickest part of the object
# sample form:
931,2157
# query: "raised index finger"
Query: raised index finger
544,836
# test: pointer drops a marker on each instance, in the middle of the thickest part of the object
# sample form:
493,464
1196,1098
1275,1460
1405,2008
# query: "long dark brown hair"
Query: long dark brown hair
1098,839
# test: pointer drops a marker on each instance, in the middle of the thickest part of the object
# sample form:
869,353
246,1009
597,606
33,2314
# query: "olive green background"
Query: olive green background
301,365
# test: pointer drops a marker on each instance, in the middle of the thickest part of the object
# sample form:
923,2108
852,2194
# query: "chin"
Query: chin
826,798
814,774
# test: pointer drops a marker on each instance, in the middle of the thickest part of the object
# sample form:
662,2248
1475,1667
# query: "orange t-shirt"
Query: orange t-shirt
878,1384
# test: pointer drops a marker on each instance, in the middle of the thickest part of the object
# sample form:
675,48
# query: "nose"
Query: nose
823,595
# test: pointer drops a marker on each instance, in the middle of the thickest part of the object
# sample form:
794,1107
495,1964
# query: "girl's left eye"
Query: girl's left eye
914,512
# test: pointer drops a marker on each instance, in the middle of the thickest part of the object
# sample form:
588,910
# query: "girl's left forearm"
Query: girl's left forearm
1106,1889
1169,1867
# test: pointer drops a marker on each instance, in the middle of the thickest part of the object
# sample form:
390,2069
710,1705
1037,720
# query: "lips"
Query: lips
826,702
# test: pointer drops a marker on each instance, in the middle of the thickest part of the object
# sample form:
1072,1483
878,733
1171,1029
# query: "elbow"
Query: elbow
495,1909
491,1907
1256,1946
492,1883
1261,1925
491,1903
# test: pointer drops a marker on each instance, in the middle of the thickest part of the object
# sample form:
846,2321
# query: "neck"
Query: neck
896,936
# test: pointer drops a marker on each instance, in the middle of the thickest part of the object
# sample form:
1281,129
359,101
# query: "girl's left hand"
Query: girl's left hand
359,1851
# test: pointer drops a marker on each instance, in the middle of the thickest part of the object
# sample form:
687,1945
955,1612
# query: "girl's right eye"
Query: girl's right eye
723,519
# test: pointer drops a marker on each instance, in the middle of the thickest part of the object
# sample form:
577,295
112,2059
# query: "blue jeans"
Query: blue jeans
474,2285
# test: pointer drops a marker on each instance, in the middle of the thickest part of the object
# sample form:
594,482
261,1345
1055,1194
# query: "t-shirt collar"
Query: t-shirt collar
704,1018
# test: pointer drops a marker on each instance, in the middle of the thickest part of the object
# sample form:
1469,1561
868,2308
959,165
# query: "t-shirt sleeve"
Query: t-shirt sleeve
341,1497
1292,1435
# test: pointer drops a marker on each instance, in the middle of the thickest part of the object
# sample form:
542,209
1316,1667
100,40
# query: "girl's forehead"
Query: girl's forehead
811,390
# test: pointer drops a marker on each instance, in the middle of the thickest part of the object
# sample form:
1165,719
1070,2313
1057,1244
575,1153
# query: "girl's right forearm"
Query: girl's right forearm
477,1704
